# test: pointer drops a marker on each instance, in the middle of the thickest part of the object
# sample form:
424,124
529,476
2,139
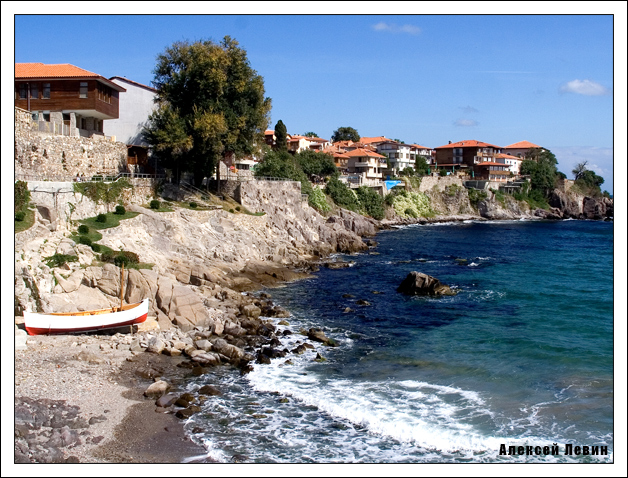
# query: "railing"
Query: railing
48,127
95,178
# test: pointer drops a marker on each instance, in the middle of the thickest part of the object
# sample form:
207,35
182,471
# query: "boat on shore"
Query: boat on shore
85,321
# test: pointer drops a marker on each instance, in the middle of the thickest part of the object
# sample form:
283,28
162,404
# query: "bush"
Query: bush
442,173
57,260
19,216
83,229
371,202
101,218
231,210
318,200
477,195
95,247
193,205
155,204
21,196
411,204
85,240
341,194
120,257
120,210
238,208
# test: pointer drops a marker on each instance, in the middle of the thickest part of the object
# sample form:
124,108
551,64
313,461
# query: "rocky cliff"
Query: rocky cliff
201,259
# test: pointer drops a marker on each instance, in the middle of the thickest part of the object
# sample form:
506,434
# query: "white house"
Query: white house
398,155
513,162
136,104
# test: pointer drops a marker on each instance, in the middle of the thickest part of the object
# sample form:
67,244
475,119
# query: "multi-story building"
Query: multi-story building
476,158
398,155
66,99
366,164
520,149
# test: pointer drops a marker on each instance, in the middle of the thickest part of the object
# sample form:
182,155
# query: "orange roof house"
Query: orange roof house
520,149
66,94
375,140
468,155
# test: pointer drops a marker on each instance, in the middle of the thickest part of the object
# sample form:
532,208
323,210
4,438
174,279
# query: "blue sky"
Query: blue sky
427,79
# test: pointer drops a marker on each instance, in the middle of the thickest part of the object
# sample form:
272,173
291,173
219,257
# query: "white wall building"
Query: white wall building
136,104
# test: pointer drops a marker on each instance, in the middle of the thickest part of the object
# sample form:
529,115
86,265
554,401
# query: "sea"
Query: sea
521,356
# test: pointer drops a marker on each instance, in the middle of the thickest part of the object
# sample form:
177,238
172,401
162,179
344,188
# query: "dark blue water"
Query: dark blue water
522,355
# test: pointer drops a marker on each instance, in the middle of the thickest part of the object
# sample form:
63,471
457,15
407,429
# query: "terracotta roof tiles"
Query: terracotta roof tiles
522,145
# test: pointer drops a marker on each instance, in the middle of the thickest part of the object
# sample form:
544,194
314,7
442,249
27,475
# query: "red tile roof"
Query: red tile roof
364,152
418,146
25,71
507,156
472,143
522,145
375,139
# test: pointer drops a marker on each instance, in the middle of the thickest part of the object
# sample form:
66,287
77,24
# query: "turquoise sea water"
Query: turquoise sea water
522,355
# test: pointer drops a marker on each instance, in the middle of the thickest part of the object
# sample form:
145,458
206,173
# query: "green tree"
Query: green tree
281,137
409,172
211,105
421,167
315,164
371,202
281,164
310,134
345,133
542,170
341,194
21,196
579,170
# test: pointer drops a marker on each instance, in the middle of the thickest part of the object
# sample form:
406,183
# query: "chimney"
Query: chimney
450,142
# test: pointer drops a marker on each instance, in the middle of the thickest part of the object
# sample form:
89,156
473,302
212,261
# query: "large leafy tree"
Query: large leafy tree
315,164
345,133
211,106
542,170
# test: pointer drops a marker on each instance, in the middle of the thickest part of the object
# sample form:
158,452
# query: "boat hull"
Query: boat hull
54,324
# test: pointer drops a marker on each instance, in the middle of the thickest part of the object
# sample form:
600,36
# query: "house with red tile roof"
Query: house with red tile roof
398,155
77,101
366,164
373,141
520,149
513,162
476,158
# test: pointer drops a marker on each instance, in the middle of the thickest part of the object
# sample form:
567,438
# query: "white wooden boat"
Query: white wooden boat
85,321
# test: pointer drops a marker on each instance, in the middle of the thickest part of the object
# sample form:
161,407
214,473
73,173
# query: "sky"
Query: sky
423,78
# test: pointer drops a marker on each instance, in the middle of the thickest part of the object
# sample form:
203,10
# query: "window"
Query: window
34,91
47,116
23,91
83,90
45,91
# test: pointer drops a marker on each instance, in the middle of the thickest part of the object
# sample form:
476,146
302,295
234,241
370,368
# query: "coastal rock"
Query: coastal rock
417,283
222,347
319,336
157,389
593,208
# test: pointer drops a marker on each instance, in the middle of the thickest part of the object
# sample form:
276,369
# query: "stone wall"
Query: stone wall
255,195
50,156
439,182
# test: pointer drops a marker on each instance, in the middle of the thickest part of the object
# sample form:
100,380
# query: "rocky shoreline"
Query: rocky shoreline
122,398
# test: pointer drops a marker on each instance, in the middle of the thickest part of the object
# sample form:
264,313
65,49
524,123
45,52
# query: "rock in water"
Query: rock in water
417,283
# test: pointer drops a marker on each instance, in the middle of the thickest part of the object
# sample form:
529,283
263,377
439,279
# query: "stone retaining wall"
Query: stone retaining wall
440,182
56,156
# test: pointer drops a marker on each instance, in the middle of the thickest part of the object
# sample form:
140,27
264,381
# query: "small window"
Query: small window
45,91
46,116
83,90
34,91
23,91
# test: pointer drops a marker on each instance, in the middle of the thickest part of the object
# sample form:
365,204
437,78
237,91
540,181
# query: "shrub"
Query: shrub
101,218
155,204
193,205
231,210
477,195
95,247
21,196
57,260
19,216
412,204
120,210
83,229
318,200
442,173
371,202
120,257
341,194
85,240
238,208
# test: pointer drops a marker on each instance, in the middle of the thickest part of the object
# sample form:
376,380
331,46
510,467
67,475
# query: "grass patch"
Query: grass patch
27,222
111,220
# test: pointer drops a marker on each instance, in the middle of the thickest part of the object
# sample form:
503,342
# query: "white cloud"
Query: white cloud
599,160
466,122
394,28
584,87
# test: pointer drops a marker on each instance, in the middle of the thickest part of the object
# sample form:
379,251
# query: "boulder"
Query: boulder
319,336
222,347
417,283
157,389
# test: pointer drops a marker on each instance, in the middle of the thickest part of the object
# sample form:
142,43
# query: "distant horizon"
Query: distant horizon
534,77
